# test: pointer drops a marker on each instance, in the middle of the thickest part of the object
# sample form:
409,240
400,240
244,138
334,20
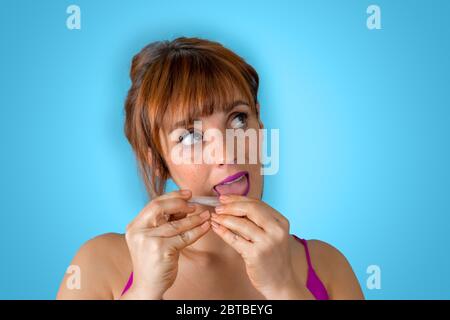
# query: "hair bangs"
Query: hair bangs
201,86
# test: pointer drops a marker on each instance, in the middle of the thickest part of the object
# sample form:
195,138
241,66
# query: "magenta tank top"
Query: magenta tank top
313,282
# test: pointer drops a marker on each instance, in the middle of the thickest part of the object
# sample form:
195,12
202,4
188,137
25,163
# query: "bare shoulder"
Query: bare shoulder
99,264
325,252
335,271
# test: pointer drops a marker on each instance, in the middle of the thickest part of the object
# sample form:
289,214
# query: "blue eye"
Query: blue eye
191,138
239,121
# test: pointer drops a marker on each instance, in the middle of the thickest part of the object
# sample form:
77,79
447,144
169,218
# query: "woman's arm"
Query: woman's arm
336,272
93,269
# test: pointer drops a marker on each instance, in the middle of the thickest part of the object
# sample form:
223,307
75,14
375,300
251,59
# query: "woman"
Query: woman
176,249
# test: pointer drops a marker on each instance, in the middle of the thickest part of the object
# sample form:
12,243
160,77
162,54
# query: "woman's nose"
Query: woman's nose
220,153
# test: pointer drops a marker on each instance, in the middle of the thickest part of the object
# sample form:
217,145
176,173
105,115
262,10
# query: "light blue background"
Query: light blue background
363,118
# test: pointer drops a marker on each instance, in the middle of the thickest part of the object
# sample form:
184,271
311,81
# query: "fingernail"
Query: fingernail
185,192
214,224
219,209
204,214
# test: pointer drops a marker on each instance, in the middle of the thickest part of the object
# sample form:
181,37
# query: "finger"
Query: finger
235,241
227,198
271,214
243,226
244,209
183,194
173,228
187,238
158,212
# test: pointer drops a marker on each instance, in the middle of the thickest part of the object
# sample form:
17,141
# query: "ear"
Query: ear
261,124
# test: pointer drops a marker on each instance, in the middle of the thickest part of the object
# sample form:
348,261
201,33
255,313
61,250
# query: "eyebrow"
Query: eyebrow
227,109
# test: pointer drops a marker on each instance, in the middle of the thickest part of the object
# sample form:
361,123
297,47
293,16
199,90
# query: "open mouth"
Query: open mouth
238,184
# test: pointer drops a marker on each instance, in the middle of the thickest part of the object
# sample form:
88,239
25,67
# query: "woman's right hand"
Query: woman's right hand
156,236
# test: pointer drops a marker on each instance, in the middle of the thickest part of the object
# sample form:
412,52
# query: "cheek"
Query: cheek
256,177
190,176
252,144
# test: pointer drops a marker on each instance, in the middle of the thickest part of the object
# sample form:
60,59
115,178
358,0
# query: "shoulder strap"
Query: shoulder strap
128,285
305,244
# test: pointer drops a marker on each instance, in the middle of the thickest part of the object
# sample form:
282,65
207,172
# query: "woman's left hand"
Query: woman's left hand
260,234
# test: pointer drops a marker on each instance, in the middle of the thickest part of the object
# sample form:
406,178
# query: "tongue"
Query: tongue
239,187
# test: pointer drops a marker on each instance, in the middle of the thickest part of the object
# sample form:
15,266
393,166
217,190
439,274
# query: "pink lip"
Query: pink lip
234,177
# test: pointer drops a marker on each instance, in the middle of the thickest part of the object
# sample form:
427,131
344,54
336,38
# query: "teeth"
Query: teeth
238,179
